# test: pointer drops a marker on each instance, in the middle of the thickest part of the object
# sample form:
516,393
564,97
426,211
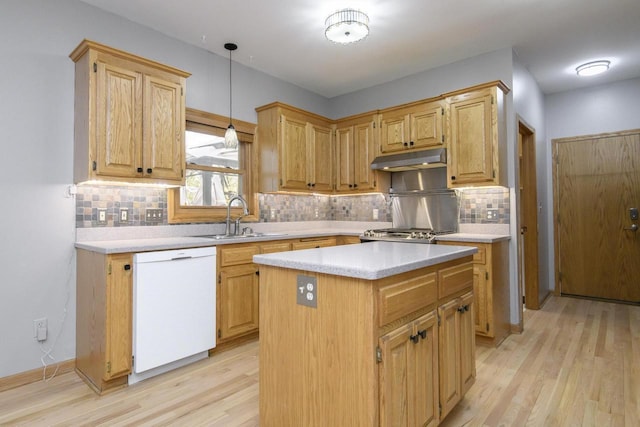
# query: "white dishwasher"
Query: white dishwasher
174,309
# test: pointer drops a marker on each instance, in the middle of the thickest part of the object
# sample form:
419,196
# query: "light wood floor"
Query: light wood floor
577,363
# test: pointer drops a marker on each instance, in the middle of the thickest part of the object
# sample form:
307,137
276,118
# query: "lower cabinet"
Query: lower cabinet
313,242
456,351
104,318
409,374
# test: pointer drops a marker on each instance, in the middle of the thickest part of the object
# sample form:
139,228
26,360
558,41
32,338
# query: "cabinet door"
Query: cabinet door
345,158
163,124
118,327
449,356
293,154
467,344
118,121
239,287
394,132
269,248
472,144
395,396
424,372
364,153
481,322
426,126
321,167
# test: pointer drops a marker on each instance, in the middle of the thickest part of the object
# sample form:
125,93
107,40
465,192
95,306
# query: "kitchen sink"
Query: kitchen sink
241,236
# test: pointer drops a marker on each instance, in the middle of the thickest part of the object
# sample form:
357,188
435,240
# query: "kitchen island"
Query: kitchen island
365,335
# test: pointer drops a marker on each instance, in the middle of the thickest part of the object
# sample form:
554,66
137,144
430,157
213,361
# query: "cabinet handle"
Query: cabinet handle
461,309
355,185
127,267
405,144
257,272
423,333
149,170
453,178
414,338
411,143
139,170
350,185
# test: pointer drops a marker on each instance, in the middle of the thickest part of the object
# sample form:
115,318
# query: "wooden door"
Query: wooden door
119,316
426,126
482,325
472,137
345,174
424,372
163,129
394,132
449,356
293,154
239,297
321,168
118,121
364,153
528,245
467,343
394,378
597,182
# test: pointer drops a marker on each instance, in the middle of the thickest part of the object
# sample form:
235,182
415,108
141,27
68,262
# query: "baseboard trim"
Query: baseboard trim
35,375
516,329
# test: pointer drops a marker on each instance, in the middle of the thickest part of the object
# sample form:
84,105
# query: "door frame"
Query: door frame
528,250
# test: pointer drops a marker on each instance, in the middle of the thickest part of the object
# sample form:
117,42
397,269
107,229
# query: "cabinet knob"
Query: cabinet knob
423,333
414,338
453,178
350,185
149,170
139,170
355,185
461,309
405,144
411,143
313,184
127,267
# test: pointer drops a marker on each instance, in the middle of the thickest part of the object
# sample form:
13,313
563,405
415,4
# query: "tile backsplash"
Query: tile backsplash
474,205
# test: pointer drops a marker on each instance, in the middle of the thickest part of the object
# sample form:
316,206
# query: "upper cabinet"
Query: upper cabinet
129,117
296,150
355,149
417,126
477,136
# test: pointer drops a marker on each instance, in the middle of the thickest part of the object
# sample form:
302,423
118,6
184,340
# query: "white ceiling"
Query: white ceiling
285,38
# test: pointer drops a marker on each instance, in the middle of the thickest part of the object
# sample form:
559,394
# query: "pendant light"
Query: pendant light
230,136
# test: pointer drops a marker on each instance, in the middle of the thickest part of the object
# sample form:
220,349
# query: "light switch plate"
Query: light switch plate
102,216
307,291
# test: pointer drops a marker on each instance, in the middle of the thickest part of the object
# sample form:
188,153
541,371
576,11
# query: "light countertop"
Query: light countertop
473,237
372,260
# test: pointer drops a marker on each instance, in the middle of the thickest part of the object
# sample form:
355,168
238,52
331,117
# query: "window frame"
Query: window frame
216,124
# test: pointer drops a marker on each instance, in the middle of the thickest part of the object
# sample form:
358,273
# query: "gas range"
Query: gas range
405,235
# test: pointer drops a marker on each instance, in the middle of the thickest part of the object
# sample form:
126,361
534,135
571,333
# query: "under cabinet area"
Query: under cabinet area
129,117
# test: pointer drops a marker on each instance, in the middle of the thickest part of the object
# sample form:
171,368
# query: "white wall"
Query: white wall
37,222
606,108
528,101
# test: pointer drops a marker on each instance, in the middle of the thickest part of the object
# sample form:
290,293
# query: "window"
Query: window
214,173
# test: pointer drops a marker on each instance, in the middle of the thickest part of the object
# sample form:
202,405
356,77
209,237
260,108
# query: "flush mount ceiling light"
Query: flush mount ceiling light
346,26
593,68
230,136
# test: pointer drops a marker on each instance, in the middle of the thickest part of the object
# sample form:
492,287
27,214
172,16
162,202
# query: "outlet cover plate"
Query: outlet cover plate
307,291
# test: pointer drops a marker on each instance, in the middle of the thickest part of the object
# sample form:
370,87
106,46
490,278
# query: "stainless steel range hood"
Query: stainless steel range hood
436,157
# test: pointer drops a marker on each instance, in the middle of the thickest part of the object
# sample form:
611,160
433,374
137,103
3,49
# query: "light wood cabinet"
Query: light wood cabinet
456,351
409,374
355,148
368,353
477,143
492,314
104,319
347,240
313,242
413,127
296,150
129,117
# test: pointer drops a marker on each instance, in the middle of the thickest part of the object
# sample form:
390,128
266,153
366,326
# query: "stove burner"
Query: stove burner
417,235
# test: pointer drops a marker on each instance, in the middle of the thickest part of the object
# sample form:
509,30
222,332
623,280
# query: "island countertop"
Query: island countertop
373,260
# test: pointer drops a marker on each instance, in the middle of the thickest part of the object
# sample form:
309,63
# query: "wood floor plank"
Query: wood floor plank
577,363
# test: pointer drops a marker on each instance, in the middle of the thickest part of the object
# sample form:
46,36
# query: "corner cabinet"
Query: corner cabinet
356,142
129,117
296,150
477,136
104,319
413,127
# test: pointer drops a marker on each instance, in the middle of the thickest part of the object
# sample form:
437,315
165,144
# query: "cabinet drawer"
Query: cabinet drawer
400,299
269,248
455,279
479,257
237,255
313,243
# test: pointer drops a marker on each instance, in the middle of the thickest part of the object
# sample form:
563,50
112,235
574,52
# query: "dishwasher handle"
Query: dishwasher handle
178,258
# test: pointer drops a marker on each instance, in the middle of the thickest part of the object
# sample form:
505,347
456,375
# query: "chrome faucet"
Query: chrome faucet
227,231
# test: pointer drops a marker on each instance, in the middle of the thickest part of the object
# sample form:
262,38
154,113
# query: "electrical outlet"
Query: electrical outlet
307,291
375,214
316,212
102,216
272,213
124,215
492,215
40,329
